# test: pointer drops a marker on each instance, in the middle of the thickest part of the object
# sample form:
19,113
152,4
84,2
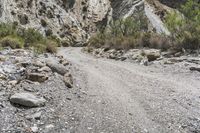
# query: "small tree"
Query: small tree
191,10
185,28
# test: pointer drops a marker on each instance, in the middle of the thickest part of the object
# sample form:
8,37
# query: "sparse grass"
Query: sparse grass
153,40
7,30
16,37
51,47
13,42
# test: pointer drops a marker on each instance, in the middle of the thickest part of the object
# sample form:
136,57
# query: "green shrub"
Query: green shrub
97,40
191,10
55,39
129,26
185,30
17,37
7,30
39,48
13,42
160,42
187,40
121,34
175,21
120,43
32,36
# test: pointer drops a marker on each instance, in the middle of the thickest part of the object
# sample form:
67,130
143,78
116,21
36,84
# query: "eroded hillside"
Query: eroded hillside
73,21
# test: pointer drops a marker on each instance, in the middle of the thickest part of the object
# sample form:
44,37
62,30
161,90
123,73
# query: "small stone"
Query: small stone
34,129
123,58
65,63
67,78
44,69
178,54
50,126
37,77
2,58
145,62
60,56
152,54
39,64
27,99
13,82
195,69
37,115
2,77
168,63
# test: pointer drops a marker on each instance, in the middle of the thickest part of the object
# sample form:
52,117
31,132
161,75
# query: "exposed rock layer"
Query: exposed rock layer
70,20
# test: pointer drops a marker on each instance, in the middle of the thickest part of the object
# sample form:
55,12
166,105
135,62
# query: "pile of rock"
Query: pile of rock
148,56
26,83
18,65
138,55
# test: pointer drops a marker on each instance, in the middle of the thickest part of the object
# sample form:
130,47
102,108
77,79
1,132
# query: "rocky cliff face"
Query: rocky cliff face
71,20
68,19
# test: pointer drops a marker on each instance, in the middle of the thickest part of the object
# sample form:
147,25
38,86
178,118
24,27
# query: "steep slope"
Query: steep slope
72,20
67,19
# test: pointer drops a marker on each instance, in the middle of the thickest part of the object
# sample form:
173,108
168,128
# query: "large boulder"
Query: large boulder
152,54
58,68
27,99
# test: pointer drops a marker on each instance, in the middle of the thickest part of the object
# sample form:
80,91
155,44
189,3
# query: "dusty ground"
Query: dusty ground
123,97
108,96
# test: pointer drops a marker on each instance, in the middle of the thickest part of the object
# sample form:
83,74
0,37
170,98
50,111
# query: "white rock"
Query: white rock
34,129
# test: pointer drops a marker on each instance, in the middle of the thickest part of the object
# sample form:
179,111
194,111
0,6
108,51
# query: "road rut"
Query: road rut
124,97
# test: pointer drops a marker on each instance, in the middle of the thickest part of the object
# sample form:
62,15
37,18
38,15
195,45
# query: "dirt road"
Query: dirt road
124,97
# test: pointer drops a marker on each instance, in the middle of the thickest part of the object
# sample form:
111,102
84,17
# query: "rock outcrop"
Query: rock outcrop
68,19
74,21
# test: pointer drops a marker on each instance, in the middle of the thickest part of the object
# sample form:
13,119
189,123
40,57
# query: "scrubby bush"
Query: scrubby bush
132,31
185,27
51,47
174,21
191,10
7,30
39,48
97,40
153,40
121,34
32,36
13,42
16,37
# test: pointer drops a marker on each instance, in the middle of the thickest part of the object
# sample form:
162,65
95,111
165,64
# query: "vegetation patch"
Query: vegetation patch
133,32
13,36
185,26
